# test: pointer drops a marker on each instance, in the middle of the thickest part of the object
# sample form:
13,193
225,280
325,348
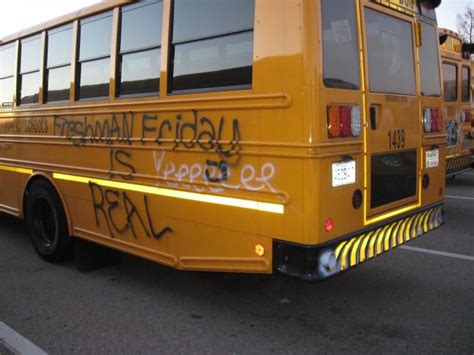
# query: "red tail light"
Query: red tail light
468,116
343,121
432,120
435,120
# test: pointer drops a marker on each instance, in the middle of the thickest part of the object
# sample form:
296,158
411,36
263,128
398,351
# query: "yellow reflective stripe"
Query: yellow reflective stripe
363,247
372,244
16,170
425,221
408,230
185,195
395,234
391,214
388,234
380,238
355,249
338,249
344,253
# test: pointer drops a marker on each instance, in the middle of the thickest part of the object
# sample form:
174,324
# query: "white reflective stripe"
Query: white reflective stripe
185,195
17,342
459,197
436,252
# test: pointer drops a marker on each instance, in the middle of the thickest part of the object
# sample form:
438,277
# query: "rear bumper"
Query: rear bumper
458,165
319,262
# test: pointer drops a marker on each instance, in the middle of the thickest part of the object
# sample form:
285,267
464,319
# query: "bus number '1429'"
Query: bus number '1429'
396,139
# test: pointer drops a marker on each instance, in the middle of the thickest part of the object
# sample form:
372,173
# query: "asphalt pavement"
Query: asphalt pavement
417,300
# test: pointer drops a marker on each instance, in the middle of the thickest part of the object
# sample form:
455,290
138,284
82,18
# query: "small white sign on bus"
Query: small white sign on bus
343,173
432,158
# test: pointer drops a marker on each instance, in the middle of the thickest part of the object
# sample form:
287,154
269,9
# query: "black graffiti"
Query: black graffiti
196,131
201,132
82,131
123,158
220,171
121,214
27,126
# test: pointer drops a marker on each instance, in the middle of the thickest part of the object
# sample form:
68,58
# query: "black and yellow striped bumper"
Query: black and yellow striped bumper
458,164
359,249
321,262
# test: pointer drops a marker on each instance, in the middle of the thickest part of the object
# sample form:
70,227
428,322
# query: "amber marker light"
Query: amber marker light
334,121
329,225
259,250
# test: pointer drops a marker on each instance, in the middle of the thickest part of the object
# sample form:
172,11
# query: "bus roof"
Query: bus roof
450,33
451,44
84,12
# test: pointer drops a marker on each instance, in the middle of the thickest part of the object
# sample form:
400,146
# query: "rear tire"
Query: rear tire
47,223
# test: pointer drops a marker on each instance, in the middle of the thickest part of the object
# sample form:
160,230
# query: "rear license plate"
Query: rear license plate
432,158
343,173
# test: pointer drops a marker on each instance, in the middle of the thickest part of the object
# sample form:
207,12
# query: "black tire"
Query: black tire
47,222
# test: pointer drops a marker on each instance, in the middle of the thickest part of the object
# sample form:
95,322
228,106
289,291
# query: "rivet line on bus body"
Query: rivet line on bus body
185,195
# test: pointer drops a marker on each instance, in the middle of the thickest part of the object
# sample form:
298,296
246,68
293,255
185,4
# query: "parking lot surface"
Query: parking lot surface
416,299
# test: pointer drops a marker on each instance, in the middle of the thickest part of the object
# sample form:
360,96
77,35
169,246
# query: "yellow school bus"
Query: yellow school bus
457,102
299,137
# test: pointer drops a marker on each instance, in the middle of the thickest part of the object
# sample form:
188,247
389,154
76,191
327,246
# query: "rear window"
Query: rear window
390,54
465,84
450,82
429,63
340,45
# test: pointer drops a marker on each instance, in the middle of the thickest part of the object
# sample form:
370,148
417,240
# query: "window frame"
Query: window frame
78,62
19,80
47,68
455,65
119,54
366,51
468,84
358,58
440,84
195,39
13,75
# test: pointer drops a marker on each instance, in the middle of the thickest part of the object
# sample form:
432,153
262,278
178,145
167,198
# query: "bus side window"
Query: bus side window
450,82
140,48
7,72
212,45
29,83
465,84
94,56
58,64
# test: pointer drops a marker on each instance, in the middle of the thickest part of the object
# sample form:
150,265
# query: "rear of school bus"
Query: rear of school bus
378,135
456,77
466,112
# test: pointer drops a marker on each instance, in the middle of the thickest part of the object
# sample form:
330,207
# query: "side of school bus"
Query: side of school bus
457,102
303,137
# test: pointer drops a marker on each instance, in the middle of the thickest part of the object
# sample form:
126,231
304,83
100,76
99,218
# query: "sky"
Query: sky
447,11
17,15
